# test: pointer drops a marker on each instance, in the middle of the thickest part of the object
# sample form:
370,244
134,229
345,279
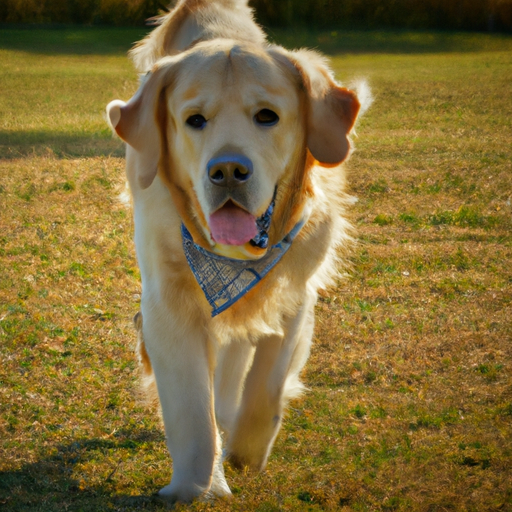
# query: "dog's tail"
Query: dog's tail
191,21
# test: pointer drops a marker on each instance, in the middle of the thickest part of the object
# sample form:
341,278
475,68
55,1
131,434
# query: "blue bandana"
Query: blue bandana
224,280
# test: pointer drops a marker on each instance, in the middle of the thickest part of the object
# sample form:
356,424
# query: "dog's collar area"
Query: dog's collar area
225,280
263,223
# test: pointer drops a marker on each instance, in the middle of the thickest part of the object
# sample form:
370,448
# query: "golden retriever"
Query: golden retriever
233,157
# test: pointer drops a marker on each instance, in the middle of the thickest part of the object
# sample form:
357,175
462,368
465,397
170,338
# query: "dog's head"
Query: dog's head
226,125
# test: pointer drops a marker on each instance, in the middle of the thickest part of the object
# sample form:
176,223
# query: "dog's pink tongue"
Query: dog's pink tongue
230,225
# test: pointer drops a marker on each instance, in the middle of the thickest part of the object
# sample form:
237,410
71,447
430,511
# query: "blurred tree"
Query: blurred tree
433,14
412,14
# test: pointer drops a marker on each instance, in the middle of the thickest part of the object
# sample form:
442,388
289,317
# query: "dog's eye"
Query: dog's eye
197,121
266,117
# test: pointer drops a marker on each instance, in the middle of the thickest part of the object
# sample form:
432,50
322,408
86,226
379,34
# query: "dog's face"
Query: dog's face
227,126
233,132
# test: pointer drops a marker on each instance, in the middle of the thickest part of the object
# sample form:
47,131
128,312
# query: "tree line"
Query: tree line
412,14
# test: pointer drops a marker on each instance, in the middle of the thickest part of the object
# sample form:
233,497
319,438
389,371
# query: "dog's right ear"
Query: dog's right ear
331,109
141,121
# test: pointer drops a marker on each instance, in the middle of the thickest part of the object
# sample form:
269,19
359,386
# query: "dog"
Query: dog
234,161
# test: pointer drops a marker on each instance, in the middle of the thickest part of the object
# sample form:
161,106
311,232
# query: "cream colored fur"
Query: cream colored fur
226,381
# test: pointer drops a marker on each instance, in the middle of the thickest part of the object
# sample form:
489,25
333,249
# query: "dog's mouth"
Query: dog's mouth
232,225
239,234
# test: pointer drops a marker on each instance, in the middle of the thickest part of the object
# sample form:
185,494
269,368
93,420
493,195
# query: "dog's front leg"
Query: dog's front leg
272,380
182,362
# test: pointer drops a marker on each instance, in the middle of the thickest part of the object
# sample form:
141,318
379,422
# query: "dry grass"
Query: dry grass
410,402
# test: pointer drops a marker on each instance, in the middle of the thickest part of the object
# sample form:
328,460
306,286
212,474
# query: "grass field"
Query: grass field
410,401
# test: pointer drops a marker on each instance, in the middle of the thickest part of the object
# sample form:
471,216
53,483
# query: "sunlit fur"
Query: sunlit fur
224,382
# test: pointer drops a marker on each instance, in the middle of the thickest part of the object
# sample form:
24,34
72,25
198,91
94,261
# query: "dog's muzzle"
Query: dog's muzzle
232,193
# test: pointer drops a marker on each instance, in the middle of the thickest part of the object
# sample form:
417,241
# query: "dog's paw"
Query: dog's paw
250,445
219,487
179,493
173,493
252,461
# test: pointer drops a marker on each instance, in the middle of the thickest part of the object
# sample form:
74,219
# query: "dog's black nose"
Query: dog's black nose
229,170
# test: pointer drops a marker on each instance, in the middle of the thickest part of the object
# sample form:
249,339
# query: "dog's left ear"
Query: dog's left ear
141,121
332,110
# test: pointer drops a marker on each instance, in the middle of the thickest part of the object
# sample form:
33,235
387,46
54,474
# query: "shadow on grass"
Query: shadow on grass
19,144
76,40
51,485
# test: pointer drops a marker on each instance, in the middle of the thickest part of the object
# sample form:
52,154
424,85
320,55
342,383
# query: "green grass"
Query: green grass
409,405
